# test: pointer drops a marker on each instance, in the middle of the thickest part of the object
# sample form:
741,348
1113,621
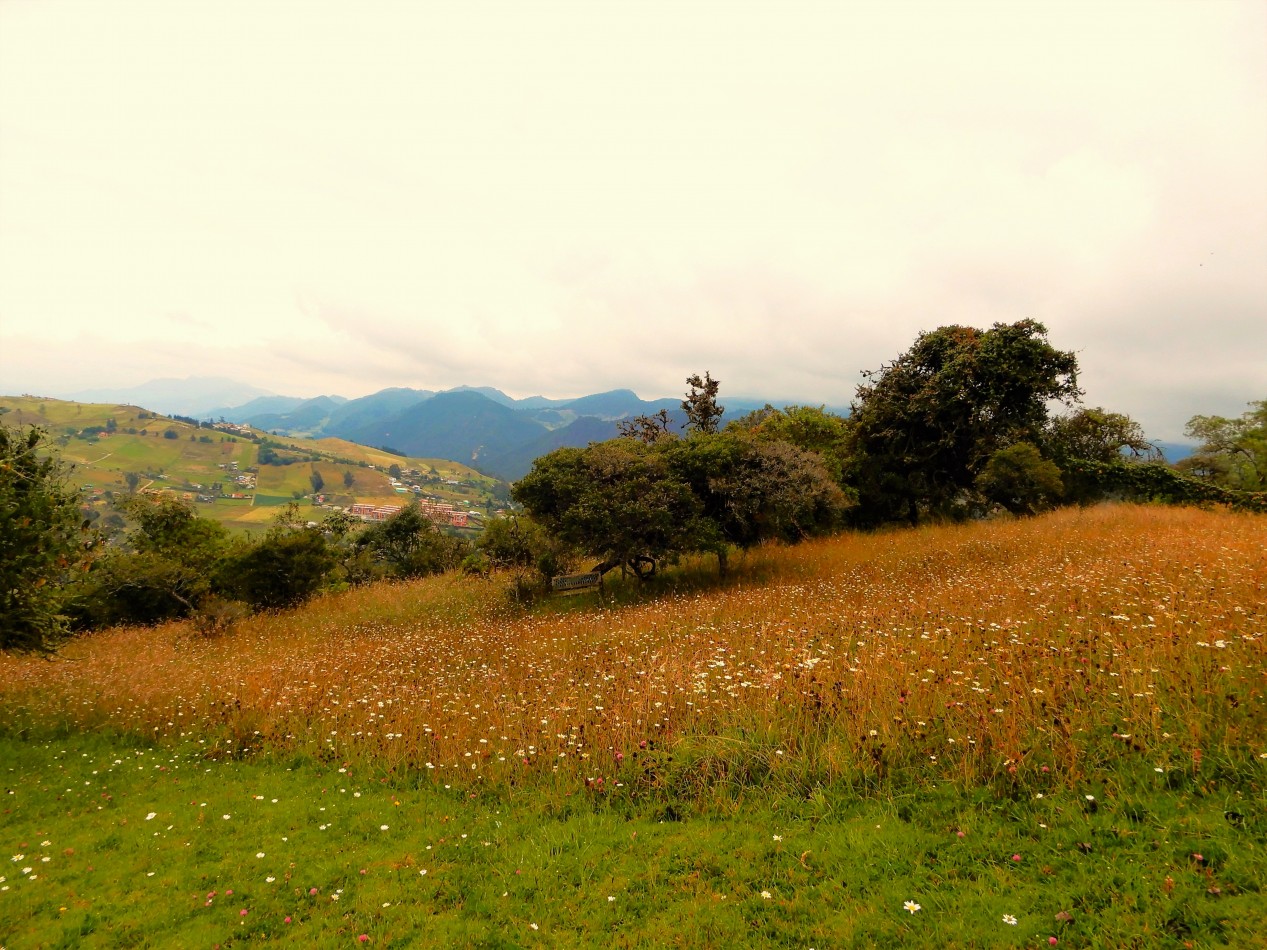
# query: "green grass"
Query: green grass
604,868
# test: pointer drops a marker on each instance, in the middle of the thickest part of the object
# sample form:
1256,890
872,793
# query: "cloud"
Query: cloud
562,198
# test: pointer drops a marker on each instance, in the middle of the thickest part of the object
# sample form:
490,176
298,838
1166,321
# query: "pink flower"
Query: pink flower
312,892
363,938
959,834
1052,941
228,893
1016,857
242,912
286,921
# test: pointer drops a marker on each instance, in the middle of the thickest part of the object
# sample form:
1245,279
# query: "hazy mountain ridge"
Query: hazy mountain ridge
476,425
479,426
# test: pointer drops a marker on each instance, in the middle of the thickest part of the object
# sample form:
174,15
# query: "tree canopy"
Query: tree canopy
1233,452
923,427
653,496
43,540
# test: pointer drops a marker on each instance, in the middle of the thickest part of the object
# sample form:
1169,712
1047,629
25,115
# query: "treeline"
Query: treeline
959,426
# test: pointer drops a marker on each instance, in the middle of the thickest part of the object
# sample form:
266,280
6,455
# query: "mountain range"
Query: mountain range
476,425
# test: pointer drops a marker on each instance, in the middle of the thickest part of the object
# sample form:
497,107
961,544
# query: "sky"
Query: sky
563,198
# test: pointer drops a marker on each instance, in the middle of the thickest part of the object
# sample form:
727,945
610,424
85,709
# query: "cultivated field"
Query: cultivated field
101,462
1082,695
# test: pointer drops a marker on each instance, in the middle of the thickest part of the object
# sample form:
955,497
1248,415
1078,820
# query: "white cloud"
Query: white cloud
565,197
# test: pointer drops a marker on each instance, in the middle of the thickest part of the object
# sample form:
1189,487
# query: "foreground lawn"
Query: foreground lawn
108,844
1033,730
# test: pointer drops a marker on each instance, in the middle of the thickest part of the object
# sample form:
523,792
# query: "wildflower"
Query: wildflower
151,816
778,837
382,827
534,926
242,912
766,895
610,898
1009,919
363,938
270,879
312,892
259,854
286,921
1016,857
911,906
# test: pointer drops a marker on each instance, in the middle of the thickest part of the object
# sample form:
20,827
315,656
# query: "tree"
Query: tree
348,478
616,500
700,405
519,543
1098,435
752,490
648,429
811,428
133,479
1233,452
1020,479
165,567
394,470
317,481
408,544
43,540
284,569
923,427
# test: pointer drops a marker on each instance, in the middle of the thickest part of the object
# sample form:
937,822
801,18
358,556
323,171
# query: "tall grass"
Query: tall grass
1064,646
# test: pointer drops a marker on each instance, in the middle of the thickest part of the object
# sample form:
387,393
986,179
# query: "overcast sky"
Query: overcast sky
562,198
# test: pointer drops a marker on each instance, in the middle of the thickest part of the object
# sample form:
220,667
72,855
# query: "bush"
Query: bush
283,570
42,541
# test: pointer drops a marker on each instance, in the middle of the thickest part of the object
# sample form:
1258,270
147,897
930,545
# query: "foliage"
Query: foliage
517,542
284,569
1233,452
752,490
1098,435
43,540
167,564
700,405
924,426
811,428
408,544
648,429
1156,482
1020,479
616,500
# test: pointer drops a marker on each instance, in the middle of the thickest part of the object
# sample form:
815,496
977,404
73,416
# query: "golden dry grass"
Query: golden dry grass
966,652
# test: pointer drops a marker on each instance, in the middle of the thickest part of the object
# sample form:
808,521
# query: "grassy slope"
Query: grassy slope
103,463
821,730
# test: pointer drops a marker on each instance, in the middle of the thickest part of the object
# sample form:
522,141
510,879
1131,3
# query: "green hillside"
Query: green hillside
210,466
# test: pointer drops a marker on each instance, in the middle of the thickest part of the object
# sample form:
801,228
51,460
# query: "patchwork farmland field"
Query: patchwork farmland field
1082,695
171,454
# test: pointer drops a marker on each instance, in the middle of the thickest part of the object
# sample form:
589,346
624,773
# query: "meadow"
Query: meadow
996,734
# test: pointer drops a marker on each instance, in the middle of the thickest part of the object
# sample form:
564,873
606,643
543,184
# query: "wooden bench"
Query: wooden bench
576,583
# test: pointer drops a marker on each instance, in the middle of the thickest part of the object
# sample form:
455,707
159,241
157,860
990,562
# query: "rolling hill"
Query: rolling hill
116,448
